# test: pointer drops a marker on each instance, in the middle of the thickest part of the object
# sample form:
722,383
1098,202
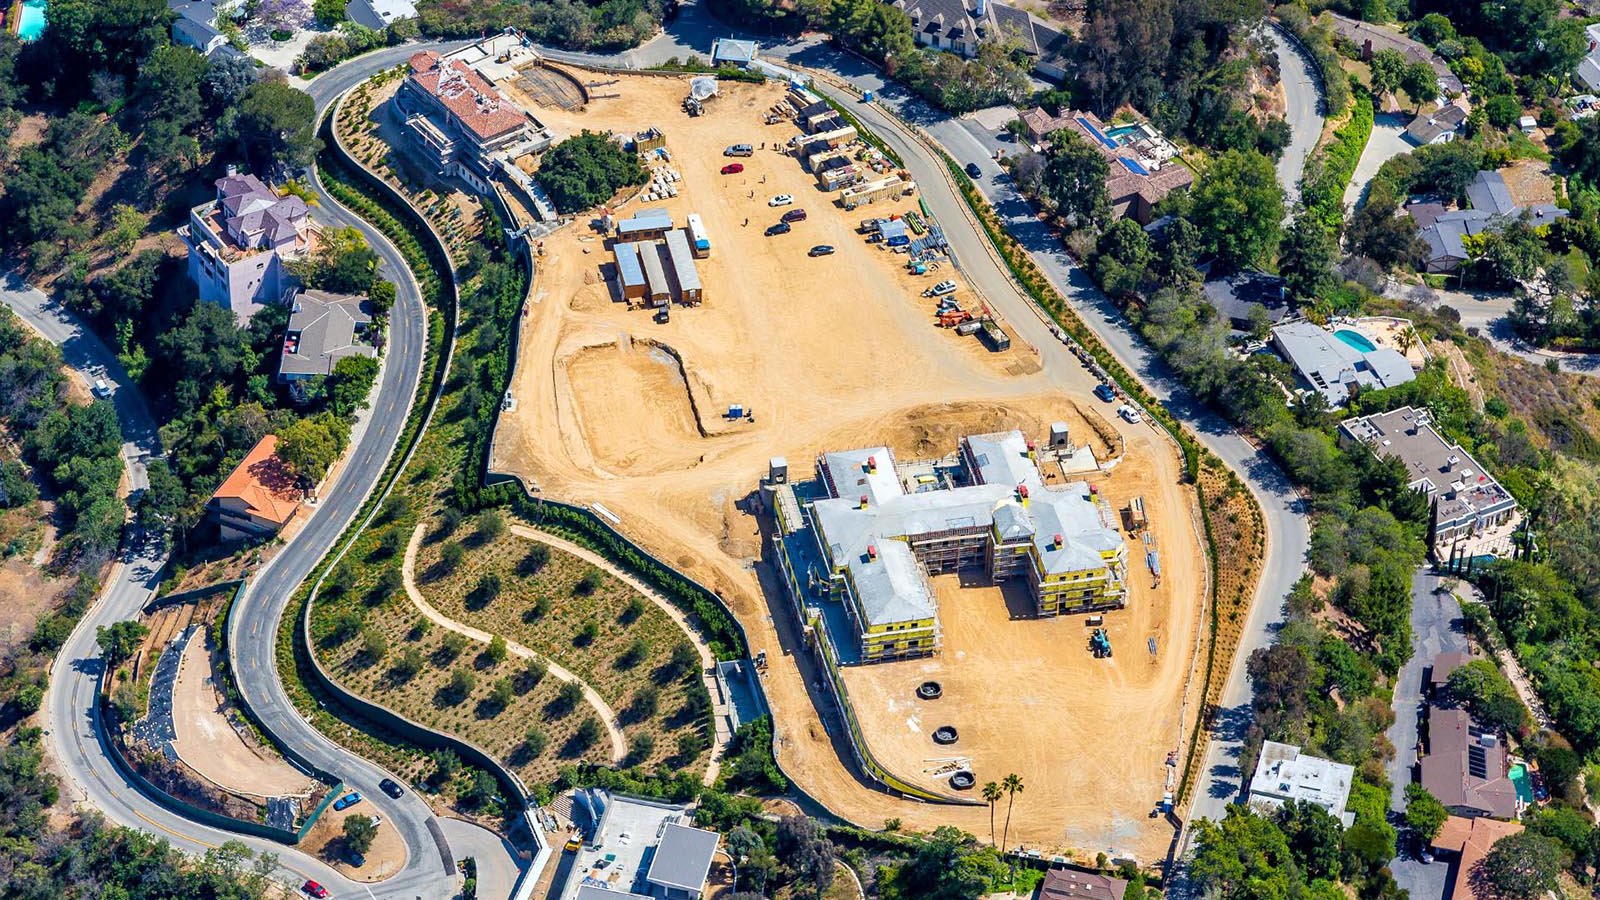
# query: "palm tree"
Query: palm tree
991,793
1012,785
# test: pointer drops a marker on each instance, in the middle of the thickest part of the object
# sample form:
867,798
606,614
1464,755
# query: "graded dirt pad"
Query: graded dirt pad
209,745
839,352
386,856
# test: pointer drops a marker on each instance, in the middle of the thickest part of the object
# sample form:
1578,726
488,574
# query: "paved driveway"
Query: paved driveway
1387,141
1436,627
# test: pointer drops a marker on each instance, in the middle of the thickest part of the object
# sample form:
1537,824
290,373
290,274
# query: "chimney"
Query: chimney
872,551
863,501
232,170
1022,491
872,464
1059,540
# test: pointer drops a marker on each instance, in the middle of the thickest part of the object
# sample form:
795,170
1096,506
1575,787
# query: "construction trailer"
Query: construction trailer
894,232
873,191
645,225
630,272
838,177
659,290
683,268
821,122
699,242
650,139
1136,516
838,137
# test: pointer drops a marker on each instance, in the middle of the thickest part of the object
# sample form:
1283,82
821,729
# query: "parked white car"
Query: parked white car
781,200
101,389
1129,414
943,287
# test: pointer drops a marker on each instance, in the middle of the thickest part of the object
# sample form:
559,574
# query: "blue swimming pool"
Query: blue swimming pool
31,24
1356,339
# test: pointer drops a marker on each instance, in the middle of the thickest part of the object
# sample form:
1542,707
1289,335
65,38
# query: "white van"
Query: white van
101,389
740,150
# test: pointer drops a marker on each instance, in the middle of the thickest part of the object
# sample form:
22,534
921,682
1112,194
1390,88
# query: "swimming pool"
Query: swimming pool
1519,777
1356,339
31,24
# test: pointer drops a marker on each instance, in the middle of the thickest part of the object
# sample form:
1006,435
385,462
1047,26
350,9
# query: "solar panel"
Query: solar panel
1109,143
1134,166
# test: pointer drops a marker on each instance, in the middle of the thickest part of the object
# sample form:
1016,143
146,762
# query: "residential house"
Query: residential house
1337,364
323,329
1439,673
460,123
258,498
1248,299
1467,767
1071,884
1589,67
1141,165
1443,231
379,14
1372,38
195,25
1465,842
681,862
961,26
1438,127
239,242
1283,773
1469,505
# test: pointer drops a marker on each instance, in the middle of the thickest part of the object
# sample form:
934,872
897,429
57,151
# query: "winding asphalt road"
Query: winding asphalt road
263,604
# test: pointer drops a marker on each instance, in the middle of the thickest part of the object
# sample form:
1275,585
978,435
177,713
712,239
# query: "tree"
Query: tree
127,225
359,832
84,37
1524,865
497,650
228,76
271,125
501,693
585,170
351,383
1074,180
328,12
490,525
1012,785
381,294
1306,258
567,698
163,496
948,865
283,15
807,852
1238,207
587,733
120,641
409,663
1314,838
450,556
991,796
1515,253
374,644
1419,82
1488,695
1424,813
534,742
1502,110
1121,257
1244,855
309,446
462,681
1388,70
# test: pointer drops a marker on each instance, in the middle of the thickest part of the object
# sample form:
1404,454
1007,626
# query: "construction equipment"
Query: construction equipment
1100,644
953,317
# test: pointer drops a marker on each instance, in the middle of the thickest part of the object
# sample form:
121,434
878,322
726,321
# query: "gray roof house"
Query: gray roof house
1337,364
681,862
1492,205
1243,296
1438,127
379,14
960,26
323,329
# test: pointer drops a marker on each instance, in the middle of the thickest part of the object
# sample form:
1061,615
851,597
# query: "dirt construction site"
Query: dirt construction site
617,410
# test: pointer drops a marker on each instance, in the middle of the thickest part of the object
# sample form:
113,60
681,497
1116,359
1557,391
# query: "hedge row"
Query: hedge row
1328,174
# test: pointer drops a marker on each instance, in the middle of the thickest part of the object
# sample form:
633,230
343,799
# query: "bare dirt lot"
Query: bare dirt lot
208,744
386,856
832,353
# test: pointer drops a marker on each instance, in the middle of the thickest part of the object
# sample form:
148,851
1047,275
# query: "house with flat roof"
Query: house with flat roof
1071,884
258,497
1470,506
681,862
239,242
459,121
1465,842
1283,773
637,847
882,532
1467,767
1337,364
323,329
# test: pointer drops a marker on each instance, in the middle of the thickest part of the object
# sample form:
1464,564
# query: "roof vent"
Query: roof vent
1059,539
863,501
872,551
872,464
1022,491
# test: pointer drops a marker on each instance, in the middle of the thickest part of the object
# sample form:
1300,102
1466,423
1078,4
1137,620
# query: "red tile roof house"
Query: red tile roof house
1135,180
258,498
1468,841
462,123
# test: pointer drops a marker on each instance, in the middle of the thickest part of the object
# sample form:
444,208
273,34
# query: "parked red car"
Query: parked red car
314,889
733,168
